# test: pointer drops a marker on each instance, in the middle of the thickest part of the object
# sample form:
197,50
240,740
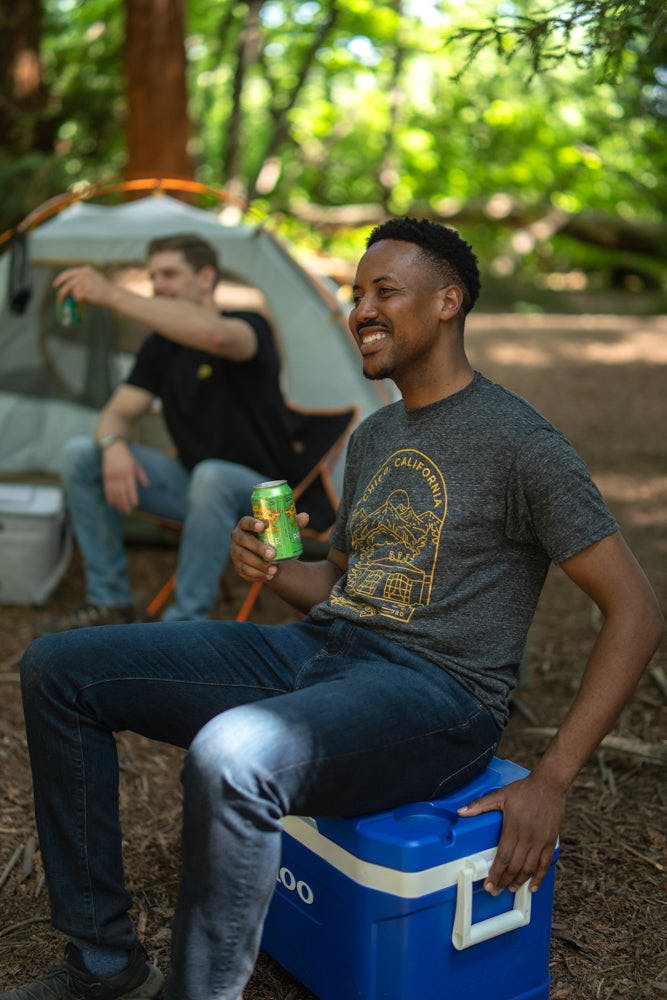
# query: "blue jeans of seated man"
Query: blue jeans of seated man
301,718
209,500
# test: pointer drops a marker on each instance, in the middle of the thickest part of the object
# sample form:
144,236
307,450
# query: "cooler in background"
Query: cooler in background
35,542
391,906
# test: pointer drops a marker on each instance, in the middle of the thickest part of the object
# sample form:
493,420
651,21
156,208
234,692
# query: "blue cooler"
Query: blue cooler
390,906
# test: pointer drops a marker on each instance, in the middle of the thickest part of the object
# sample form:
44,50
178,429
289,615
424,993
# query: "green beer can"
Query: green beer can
273,503
69,311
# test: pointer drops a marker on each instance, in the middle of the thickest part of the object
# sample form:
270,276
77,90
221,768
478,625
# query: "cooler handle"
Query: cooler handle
465,933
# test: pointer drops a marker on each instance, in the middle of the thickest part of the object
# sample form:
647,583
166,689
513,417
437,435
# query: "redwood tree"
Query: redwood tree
23,95
157,118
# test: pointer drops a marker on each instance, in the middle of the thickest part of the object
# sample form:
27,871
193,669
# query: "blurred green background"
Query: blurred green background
536,129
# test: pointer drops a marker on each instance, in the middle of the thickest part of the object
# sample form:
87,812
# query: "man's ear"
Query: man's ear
451,300
207,277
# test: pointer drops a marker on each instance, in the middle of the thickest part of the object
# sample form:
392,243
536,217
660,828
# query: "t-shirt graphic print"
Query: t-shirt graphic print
395,531
450,515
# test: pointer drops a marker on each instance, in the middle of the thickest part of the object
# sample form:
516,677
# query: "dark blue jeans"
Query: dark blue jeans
301,718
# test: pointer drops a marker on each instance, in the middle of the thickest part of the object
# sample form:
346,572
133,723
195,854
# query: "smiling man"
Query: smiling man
217,377
398,314
393,688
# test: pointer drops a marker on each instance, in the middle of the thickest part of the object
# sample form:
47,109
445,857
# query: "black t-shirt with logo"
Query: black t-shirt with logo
215,408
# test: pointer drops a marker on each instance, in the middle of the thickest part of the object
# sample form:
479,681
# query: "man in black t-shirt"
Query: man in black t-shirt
217,377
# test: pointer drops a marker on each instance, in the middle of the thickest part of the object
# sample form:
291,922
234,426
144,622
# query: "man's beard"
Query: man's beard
377,376
380,373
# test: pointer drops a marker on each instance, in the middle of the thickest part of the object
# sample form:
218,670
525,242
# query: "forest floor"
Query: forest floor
601,379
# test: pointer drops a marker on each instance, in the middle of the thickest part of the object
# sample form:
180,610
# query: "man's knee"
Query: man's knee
210,485
239,753
56,664
80,457
38,665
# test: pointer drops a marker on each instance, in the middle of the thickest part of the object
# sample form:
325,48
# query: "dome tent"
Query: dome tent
54,379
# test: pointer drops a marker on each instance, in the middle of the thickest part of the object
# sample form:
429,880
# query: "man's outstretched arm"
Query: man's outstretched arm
185,322
533,808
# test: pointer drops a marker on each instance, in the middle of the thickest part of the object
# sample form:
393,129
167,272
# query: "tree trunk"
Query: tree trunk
23,95
388,174
158,128
247,53
281,105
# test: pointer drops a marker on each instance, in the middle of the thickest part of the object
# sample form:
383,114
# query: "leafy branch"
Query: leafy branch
580,30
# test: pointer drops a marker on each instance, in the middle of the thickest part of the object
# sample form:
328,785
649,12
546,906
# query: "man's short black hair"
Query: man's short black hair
442,246
196,251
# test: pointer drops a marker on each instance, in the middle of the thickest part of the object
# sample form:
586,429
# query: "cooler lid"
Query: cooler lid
421,835
30,500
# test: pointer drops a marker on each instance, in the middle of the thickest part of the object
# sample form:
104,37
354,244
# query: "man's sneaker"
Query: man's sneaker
71,981
89,614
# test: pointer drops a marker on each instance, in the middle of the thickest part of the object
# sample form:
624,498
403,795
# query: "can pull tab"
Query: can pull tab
465,933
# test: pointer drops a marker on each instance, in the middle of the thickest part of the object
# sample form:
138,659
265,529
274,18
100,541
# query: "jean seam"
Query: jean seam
372,749
176,680
83,842
343,636
490,749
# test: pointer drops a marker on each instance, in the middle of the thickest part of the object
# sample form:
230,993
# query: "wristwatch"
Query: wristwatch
108,439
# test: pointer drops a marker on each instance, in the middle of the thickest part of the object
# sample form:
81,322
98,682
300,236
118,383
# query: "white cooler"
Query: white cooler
35,542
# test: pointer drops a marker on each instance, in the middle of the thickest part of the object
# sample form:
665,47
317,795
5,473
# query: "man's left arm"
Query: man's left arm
533,808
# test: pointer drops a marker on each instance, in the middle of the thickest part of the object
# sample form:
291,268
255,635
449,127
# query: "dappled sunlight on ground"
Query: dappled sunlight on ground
640,345
537,341
646,496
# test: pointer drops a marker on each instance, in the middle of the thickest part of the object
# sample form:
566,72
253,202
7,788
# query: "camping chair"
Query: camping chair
318,437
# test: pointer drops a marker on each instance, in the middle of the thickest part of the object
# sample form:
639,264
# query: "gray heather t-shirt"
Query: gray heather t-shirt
450,515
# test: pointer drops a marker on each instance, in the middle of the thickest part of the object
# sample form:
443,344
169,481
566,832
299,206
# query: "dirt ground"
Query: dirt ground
602,380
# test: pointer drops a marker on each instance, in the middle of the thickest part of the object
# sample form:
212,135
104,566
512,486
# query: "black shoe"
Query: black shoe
89,614
71,981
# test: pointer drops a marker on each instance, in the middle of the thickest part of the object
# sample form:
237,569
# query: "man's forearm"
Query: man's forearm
193,324
113,422
304,584
176,319
624,646
533,808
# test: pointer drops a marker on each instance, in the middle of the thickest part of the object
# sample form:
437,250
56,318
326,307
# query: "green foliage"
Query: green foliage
81,65
26,181
529,113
